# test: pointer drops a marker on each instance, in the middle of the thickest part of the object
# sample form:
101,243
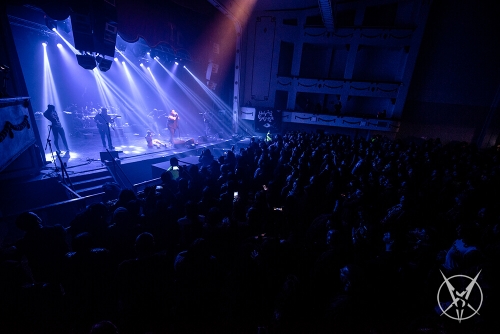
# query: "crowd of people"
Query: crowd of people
305,233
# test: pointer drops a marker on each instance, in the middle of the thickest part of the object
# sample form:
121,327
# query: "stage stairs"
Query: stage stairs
90,183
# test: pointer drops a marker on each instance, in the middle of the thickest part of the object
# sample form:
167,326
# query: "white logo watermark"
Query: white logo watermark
465,303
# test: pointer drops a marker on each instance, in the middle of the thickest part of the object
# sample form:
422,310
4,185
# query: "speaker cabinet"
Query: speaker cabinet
109,156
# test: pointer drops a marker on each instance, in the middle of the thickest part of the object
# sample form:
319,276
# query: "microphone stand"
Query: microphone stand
50,146
64,172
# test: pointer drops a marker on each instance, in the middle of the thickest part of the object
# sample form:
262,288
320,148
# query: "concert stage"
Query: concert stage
87,153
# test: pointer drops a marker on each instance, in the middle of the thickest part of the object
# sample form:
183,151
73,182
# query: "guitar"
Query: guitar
102,125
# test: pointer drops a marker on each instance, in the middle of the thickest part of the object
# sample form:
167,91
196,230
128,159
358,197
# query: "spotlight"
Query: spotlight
86,61
59,45
116,59
44,44
176,63
103,63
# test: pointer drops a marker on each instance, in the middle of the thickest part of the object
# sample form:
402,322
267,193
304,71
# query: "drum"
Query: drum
88,122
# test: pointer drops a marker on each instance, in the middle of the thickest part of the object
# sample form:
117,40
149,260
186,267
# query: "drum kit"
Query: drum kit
82,119
209,122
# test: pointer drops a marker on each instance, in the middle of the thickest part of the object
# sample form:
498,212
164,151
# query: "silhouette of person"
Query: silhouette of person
172,125
103,119
57,129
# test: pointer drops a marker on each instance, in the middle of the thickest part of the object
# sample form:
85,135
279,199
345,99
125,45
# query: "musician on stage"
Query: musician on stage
103,119
172,124
57,129
153,142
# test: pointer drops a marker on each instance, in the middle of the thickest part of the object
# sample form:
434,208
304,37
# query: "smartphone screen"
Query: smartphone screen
235,194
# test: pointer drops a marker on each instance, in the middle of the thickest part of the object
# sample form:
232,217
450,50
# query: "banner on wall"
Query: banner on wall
16,132
268,120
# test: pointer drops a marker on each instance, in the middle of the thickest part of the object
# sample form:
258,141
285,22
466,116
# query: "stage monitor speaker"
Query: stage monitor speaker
182,143
105,156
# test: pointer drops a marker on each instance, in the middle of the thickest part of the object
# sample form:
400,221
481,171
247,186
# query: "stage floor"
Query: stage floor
86,150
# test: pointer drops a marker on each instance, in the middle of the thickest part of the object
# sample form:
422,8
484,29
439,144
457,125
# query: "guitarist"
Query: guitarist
172,125
103,119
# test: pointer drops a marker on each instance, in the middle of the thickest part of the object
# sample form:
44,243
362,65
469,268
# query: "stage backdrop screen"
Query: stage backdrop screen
268,120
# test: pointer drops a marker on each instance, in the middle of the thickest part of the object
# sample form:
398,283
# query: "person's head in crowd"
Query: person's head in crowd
82,242
204,171
174,161
420,237
254,220
224,169
207,192
353,278
144,244
111,191
199,248
104,327
193,170
126,195
260,197
121,216
28,221
166,177
97,212
213,217
133,207
230,156
334,238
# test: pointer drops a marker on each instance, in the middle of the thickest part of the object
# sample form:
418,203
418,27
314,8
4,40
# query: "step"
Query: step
90,191
99,181
90,175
